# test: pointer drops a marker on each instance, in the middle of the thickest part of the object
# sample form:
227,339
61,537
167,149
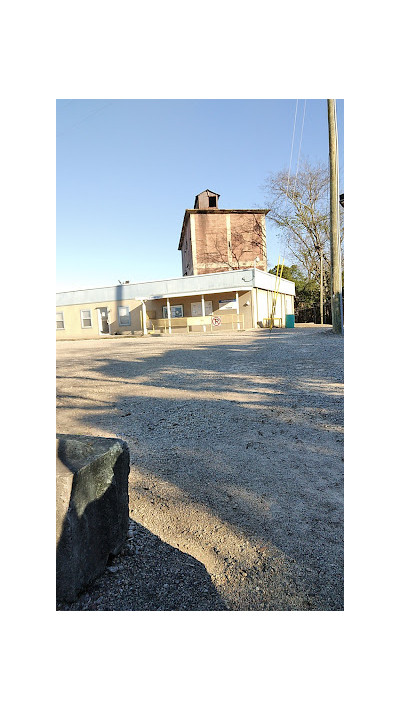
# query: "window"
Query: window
212,201
59,320
124,317
86,318
176,312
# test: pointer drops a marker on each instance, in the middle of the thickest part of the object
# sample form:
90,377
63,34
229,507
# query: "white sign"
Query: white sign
196,308
216,321
226,304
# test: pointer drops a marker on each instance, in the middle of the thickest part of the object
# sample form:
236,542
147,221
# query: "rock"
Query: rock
92,508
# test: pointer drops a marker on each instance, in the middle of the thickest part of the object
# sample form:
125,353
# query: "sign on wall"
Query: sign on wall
226,304
196,308
176,312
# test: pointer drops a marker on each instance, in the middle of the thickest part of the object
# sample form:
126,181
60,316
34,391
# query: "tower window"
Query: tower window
212,201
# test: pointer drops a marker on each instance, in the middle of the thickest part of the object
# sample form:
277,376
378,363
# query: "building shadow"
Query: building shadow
242,431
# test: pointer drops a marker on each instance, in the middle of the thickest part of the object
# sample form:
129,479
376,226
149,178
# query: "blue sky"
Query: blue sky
128,169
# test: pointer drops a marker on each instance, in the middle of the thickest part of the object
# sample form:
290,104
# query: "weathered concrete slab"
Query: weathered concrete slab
92,508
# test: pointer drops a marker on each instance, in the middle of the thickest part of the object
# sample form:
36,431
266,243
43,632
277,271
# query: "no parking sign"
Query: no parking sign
216,321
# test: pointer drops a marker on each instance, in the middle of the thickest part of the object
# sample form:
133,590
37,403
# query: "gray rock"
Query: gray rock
92,508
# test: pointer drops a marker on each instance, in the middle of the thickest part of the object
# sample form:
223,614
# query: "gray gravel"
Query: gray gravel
236,484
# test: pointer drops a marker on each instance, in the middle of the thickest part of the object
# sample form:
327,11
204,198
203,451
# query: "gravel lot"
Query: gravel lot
236,483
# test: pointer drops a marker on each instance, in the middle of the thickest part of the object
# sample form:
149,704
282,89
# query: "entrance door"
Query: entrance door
104,326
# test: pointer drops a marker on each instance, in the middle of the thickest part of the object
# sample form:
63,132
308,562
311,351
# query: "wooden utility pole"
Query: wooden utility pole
336,274
321,286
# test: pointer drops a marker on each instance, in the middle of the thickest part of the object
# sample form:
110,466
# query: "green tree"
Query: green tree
307,290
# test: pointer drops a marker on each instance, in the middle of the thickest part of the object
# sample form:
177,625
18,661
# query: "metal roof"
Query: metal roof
236,280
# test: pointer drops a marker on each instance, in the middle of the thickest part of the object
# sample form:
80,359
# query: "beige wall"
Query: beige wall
156,306
72,319
72,314
259,307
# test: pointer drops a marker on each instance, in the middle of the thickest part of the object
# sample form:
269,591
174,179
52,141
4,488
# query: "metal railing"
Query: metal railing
211,323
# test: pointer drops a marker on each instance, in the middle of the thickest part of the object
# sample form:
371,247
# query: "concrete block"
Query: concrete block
92,508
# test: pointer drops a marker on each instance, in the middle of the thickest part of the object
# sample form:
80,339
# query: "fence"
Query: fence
206,323
312,314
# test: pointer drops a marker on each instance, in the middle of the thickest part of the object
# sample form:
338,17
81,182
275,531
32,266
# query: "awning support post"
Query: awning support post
203,309
169,316
144,317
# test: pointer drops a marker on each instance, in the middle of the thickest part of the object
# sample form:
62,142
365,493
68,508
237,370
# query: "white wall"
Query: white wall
284,305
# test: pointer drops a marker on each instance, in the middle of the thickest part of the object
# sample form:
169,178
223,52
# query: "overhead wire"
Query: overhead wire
291,151
290,162
87,116
67,103
279,268
301,140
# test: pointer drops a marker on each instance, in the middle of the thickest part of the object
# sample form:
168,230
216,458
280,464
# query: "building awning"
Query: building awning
218,282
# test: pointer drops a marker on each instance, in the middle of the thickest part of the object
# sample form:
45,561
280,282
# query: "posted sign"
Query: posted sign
226,304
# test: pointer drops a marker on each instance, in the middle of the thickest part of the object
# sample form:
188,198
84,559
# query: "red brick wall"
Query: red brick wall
212,249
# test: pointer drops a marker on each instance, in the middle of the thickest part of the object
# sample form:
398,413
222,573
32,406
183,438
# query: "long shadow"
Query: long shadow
150,575
231,438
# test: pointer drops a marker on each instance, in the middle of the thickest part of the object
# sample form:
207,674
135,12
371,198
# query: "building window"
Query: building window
124,316
86,318
176,312
59,320
212,201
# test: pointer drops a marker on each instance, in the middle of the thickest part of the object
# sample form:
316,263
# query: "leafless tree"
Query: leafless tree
299,208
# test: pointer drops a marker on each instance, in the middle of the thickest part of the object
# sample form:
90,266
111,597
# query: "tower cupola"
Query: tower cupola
206,200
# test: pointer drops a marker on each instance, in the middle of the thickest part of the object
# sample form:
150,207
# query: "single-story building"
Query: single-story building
238,299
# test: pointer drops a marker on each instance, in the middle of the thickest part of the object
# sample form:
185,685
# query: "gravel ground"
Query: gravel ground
236,482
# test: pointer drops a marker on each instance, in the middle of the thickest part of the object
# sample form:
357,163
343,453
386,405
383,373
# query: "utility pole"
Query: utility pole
321,286
336,273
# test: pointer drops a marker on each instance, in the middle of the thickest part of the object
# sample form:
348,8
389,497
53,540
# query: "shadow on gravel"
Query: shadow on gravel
152,575
249,430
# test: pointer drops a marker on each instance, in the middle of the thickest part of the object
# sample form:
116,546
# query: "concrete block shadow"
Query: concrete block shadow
153,576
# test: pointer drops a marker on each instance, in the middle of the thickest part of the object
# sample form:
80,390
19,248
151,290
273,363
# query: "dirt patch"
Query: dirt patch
236,481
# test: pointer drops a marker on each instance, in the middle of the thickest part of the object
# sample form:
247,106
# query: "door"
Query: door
104,326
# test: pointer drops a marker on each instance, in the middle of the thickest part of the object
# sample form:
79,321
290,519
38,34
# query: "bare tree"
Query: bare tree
299,208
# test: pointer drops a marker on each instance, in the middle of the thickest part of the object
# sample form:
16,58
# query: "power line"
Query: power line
290,163
67,103
89,115
301,139
291,152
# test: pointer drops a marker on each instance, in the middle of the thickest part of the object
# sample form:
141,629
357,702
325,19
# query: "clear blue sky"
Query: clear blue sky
128,169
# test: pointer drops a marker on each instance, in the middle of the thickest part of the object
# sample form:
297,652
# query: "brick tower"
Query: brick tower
214,240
